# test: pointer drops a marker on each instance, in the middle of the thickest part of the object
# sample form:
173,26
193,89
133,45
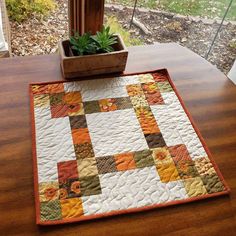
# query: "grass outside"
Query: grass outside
116,27
203,8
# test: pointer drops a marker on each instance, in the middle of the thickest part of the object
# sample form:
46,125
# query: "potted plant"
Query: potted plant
92,54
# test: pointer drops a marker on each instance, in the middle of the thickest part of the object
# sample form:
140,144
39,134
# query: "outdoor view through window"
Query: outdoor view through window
191,23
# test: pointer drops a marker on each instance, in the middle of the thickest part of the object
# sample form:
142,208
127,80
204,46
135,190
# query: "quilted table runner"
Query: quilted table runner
116,145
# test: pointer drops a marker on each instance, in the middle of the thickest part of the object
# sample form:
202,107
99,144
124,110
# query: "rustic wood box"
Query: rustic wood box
103,63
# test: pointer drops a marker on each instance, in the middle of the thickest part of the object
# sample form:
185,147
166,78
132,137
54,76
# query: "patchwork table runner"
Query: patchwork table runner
116,145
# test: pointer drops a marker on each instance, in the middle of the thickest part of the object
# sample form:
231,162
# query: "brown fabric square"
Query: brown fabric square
155,140
91,107
77,122
83,150
187,169
70,189
106,164
212,183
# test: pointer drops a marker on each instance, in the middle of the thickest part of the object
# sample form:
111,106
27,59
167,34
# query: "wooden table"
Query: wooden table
210,98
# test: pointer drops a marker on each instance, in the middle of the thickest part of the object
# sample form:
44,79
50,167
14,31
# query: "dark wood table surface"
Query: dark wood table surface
210,98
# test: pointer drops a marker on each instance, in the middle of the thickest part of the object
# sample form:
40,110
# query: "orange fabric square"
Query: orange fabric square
149,125
72,98
160,76
74,110
71,208
107,104
154,98
150,88
59,111
39,89
167,171
125,161
179,153
56,88
80,136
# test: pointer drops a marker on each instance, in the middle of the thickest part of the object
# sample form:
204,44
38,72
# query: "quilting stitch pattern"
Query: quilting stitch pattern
115,144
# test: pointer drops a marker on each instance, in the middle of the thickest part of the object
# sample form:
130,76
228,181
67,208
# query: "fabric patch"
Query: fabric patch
48,191
146,78
39,89
90,185
41,100
148,123
56,99
77,122
179,153
58,111
87,167
91,107
71,189
165,87
194,187
144,159
139,101
84,150
204,166
72,98
167,171
80,136
67,170
161,154
75,110
107,104
155,140
50,210
55,88
187,169
134,90
150,88
154,98
123,103
71,208
212,183
160,76
125,161
106,164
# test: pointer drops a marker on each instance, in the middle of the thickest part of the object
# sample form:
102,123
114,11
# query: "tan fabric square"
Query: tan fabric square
48,191
194,187
204,166
146,78
87,167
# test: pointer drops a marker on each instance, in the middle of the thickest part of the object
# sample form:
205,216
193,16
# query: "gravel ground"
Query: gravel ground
40,36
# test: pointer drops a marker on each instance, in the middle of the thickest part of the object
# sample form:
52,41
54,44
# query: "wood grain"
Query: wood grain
208,95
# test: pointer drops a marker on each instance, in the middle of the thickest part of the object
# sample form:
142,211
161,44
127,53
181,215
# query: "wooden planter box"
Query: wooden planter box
103,63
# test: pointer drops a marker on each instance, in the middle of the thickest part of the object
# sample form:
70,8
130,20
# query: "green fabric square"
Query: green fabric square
90,185
123,103
165,87
91,107
50,210
187,169
57,99
144,159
